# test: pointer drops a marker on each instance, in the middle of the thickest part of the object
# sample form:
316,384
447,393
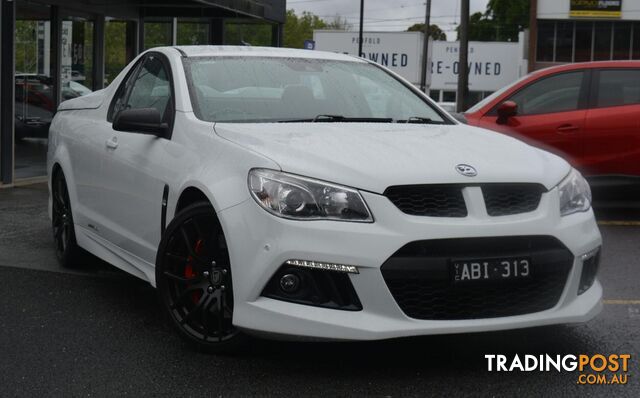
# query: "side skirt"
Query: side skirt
114,255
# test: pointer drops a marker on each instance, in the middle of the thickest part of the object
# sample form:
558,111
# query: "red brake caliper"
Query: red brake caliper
189,273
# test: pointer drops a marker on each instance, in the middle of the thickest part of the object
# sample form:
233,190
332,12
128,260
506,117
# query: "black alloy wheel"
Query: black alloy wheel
193,277
67,251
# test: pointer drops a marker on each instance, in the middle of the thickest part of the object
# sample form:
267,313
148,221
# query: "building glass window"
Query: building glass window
247,34
622,40
584,39
602,41
119,47
564,42
34,90
546,34
435,95
158,34
192,33
636,40
619,87
448,96
77,56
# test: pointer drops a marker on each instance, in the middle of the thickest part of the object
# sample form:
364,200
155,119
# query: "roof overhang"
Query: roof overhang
271,10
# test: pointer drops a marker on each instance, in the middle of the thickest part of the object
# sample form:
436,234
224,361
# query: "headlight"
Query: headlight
290,196
575,194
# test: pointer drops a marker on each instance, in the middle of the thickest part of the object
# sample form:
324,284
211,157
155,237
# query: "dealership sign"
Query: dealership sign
399,51
492,65
596,8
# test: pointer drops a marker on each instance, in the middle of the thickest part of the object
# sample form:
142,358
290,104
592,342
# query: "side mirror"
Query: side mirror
506,110
142,121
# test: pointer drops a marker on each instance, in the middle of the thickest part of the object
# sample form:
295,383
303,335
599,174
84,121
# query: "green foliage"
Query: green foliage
192,33
297,29
339,23
157,34
434,31
502,21
247,34
482,29
115,51
26,46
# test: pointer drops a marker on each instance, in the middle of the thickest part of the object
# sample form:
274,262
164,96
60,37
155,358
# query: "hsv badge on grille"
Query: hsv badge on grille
466,170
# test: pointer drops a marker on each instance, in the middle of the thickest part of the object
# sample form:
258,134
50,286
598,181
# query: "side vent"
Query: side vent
163,217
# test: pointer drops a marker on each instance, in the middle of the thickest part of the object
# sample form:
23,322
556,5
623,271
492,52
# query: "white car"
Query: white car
262,191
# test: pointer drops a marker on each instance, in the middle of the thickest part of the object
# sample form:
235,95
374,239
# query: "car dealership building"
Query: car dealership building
564,31
53,50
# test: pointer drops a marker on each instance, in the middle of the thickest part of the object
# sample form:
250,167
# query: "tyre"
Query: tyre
193,278
68,253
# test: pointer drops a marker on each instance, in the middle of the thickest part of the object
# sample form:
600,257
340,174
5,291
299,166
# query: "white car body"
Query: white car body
116,182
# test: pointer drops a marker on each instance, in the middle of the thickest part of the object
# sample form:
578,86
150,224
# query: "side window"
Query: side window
119,101
149,87
618,87
559,93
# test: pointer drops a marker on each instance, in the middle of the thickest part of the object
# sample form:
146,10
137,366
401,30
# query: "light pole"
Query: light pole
425,48
463,66
361,27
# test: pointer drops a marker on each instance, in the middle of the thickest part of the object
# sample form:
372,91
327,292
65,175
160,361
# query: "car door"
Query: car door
551,113
612,127
132,174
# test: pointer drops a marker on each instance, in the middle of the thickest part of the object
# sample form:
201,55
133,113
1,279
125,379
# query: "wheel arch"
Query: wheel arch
189,196
59,164
55,169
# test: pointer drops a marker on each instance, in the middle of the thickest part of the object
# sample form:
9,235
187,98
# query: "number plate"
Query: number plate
464,271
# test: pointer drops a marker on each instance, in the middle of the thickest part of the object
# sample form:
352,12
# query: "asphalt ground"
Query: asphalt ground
100,332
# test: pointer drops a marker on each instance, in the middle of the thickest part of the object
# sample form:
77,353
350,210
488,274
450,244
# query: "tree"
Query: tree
339,23
434,31
510,16
297,29
503,21
480,28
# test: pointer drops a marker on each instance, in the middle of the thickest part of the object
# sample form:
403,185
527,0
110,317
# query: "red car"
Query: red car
589,113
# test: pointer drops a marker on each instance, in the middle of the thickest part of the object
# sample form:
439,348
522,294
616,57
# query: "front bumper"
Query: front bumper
260,243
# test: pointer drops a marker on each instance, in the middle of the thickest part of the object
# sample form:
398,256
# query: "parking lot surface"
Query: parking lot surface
97,331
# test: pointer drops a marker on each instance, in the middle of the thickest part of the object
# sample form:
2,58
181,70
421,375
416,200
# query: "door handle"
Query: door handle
567,128
112,143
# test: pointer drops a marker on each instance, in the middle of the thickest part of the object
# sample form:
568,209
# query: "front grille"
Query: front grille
428,200
419,278
447,200
507,199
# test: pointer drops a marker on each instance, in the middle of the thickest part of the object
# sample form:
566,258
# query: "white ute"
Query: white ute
315,195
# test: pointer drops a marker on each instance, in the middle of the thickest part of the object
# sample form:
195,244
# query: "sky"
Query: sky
389,15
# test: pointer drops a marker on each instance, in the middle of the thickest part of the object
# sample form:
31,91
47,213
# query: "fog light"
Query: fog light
590,264
290,283
313,286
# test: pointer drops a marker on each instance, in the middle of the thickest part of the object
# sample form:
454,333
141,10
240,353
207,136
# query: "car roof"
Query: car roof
589,65
250,51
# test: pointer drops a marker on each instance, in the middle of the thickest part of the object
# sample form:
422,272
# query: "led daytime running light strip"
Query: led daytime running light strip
350,269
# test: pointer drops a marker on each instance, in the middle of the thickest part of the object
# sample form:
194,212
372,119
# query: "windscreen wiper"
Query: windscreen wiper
340,119
420,120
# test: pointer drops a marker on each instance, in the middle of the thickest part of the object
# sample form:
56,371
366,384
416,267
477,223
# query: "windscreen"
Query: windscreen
276,89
